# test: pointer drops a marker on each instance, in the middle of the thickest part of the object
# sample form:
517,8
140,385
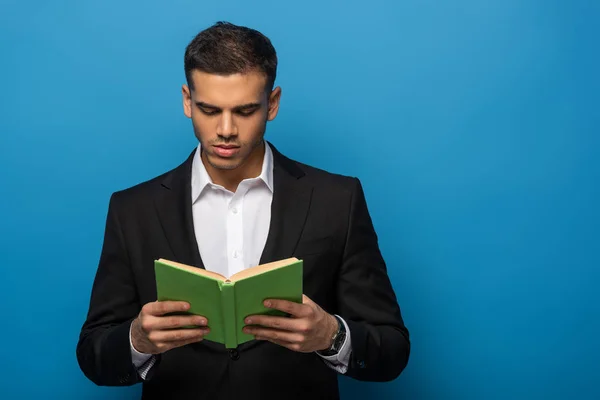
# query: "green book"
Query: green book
227,302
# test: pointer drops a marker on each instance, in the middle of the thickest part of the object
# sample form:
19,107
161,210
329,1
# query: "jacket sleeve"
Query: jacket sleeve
103,350
366,299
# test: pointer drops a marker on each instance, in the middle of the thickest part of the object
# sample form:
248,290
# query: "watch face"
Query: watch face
339,340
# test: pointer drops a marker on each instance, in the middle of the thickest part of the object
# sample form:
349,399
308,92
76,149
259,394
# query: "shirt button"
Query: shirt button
234,210
234,355
235,254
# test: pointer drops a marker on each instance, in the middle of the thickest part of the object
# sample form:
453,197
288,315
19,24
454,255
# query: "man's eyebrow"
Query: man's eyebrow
247,106
236,108
206,105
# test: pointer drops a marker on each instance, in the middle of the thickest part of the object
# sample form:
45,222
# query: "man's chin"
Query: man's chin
223,164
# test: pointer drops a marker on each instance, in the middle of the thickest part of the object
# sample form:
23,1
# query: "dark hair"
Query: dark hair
225,49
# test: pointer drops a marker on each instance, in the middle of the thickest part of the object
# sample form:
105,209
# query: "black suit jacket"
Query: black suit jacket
317,216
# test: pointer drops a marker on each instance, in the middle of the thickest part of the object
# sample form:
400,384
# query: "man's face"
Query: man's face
229,114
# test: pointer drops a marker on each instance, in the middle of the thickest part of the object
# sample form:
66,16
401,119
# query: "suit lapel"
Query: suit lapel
174,208
289,208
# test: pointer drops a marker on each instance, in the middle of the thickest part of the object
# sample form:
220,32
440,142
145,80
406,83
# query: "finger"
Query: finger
179,343
295,309
151,323
166,346
283,323
275,335
174,322
159,308
178,335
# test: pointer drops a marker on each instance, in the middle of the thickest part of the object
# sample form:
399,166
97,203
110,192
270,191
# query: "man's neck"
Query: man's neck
230,179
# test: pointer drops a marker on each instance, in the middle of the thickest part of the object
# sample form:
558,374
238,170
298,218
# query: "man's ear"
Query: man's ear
187,100
274,99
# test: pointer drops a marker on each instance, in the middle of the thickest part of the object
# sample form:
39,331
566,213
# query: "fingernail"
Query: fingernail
186,306
267,303
248,320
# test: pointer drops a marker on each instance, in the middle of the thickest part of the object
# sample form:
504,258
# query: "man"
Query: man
236,202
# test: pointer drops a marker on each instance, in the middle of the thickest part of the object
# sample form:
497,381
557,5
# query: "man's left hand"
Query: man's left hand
309,328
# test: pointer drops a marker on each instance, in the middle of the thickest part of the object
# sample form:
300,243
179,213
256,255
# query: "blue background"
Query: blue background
473,126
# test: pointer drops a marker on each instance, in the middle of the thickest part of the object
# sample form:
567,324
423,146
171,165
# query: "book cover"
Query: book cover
227,302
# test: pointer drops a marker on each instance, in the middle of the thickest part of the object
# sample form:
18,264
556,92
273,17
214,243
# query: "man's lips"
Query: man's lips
226,150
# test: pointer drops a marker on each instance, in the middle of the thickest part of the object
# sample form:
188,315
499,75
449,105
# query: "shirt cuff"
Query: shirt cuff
143,362
340,361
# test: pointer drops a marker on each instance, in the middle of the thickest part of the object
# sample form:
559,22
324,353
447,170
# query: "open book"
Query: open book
227,302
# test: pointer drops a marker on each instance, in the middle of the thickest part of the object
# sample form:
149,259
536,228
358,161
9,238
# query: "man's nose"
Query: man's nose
227,125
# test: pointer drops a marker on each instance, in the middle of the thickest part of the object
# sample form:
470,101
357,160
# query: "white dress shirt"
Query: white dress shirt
231,230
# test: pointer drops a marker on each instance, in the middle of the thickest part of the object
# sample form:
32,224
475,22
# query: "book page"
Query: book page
259,269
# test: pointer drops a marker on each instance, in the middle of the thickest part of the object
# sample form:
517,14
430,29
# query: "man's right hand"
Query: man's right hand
153,332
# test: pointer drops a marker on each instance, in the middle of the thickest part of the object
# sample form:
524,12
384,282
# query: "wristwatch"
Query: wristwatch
337,340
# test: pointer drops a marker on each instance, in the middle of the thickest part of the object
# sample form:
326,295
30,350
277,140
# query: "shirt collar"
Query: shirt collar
201,179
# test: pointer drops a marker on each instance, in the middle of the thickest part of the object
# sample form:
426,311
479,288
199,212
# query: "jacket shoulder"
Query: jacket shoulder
330,180
146,190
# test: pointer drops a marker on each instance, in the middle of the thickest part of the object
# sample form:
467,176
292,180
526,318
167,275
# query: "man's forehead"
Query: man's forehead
228,90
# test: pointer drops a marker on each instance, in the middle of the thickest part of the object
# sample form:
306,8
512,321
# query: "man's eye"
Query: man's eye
208,112
246,113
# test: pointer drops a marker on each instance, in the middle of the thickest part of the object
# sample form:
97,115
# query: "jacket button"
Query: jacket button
234,354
